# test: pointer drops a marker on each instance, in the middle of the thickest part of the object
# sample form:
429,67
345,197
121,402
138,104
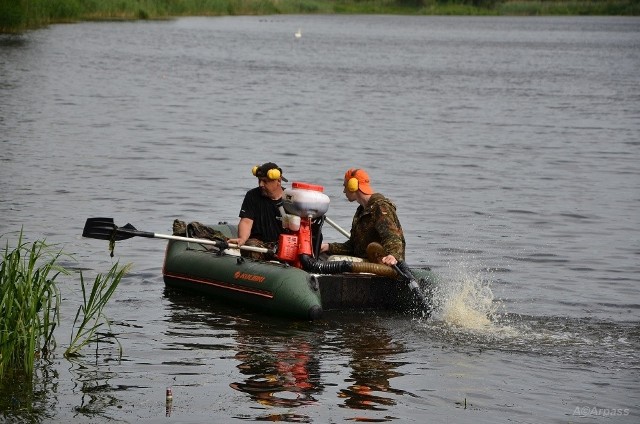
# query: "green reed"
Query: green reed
568,7
29,304
90,316
18,15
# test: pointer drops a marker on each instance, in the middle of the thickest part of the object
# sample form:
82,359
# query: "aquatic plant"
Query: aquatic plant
90,316
29,304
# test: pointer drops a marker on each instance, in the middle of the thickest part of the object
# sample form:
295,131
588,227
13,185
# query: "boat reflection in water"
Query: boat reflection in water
289,364
285,374
372,367
277,358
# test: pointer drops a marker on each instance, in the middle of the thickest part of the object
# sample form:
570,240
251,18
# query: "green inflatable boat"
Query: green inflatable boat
297,283
283,290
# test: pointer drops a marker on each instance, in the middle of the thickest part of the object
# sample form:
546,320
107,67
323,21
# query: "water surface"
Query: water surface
510,146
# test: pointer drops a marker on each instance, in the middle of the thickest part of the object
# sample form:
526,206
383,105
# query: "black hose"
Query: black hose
311,264
316,235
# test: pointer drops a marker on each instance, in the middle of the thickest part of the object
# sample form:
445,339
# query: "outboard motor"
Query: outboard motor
302,202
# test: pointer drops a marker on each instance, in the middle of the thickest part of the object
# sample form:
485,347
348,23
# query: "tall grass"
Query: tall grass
90,316
30,307
568,7
18,15
29,304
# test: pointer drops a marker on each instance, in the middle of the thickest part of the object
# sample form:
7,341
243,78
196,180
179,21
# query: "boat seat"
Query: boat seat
345,258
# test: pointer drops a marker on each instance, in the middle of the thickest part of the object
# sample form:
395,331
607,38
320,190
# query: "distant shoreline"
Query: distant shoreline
17,16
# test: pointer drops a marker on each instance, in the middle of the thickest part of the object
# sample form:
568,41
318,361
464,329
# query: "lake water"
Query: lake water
510,146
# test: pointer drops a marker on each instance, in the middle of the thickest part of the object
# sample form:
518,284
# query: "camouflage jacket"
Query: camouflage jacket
377,222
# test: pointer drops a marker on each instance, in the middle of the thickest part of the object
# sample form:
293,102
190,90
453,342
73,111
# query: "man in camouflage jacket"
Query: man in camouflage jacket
375,221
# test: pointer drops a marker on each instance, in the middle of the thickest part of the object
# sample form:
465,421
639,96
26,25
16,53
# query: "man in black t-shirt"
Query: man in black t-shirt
260,220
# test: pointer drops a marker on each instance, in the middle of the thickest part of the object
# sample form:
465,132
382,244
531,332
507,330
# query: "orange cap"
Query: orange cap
362,177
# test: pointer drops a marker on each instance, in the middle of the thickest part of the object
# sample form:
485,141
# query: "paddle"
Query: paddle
105,229
337,227
418,298
401,268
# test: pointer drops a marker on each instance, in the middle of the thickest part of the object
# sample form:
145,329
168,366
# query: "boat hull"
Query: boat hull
274,288
280,289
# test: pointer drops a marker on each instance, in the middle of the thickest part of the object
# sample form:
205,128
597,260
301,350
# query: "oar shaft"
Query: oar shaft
205,241
104,229
337,227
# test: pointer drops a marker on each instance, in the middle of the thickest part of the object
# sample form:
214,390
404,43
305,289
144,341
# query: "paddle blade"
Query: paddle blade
105,229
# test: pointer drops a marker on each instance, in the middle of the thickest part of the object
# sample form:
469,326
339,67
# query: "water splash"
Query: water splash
467,311
465,300
468,306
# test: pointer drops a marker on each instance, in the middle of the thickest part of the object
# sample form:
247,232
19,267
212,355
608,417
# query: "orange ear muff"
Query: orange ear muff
273,174
254,170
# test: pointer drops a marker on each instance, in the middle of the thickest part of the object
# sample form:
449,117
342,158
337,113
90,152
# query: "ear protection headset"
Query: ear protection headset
272,174
352,183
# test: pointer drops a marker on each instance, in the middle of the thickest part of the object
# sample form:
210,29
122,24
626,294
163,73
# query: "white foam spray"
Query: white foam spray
464,300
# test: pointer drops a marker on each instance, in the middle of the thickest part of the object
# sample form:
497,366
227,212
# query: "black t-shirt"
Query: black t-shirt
267,222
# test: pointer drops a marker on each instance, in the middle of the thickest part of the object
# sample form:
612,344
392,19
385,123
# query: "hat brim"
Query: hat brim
365,188
281,178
